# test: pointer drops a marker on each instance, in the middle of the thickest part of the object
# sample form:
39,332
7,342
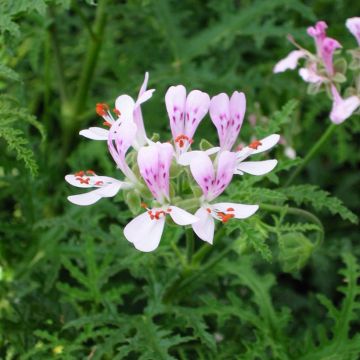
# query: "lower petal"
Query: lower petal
95,133
240,211
144,233
255,167
204,228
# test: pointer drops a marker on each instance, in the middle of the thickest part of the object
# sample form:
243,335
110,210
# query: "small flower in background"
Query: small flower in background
145,230
290,62
212,183
342,108
185,114
353,24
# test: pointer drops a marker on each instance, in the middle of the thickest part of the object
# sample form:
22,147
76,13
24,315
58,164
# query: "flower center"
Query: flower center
223,216
156,214
182,139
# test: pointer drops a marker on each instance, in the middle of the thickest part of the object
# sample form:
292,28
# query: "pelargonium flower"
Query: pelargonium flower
125,108
145,230
120,136
212,183
290,62
342,108
185,114
227,115
353,24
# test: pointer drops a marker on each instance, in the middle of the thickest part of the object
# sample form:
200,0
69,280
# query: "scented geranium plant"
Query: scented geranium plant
148,176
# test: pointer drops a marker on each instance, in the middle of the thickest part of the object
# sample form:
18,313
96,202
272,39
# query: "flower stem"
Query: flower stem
313,151
189,244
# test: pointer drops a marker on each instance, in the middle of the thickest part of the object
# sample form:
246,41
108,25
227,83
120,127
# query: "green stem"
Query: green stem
313,151
298,212
189,244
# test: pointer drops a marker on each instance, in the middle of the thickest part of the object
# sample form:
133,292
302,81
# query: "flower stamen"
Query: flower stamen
255,144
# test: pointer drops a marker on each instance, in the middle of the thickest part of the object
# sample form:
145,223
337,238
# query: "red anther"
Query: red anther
117,112
80,173
143,205
106,123
99,182
227,217
230,209
151,215
90,172
102,109
239,147
255,144
181,143
208,210
169,210
83,181
181,138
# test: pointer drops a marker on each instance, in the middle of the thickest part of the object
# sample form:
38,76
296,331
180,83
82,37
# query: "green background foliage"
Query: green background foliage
283,284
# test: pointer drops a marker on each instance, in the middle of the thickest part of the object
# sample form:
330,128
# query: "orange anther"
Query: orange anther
230,209
117,112
90,172
99,182
181,143
143,205
106,123
255,144
102,109
80,173
208,210
169,210
83,181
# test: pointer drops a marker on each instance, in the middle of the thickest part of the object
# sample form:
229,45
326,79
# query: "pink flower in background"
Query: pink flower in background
290,62
310,74
328,48
125,108
318,32
342,108
145,230
353,24
185,114
212,183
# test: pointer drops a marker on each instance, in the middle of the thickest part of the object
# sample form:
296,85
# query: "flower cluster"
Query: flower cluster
320,69
150,177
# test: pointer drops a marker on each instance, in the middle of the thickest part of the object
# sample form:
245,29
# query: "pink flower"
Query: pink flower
318,32
228,115
309,74
342,108
327,50
185,114
290,61
212,184
125,108
353,24
145,230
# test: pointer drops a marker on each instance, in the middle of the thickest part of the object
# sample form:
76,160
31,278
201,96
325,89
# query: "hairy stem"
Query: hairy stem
313,151
189,244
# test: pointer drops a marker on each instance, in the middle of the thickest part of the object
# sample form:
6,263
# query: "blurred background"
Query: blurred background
71,286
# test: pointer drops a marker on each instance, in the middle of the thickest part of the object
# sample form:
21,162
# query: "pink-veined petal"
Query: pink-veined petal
175,99
202,170
144,232
126,105
237,113
204,228
240,211
182,217
95,133
166,152
255,167
289,62
220,116
92,197
225,170
197,105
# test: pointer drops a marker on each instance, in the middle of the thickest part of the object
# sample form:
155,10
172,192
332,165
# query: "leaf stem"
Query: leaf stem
189,244
313,151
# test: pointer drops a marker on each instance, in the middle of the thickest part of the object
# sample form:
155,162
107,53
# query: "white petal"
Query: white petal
125,104
95,133
144,97
144,233
308,75
212,150
186,158
204,228
92,197
343,109
289,62
241,211
267,143
72,180
182,217
256,167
